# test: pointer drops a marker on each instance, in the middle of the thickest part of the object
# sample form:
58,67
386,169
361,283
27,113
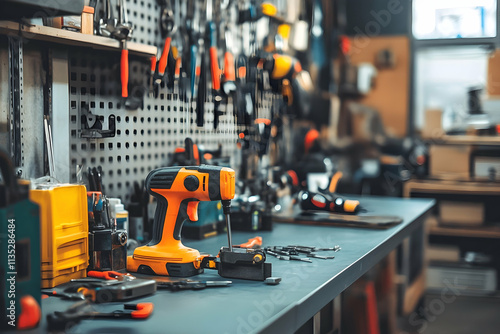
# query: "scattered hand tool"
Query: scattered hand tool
178,191
323,202
64,295
190,285
109,275
293,252
60,321
112,290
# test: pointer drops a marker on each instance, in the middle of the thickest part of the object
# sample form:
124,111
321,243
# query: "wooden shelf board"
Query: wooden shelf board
444,186
491,232
464,140
62,36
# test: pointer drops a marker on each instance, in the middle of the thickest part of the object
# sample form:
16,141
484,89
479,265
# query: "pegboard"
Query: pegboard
145,137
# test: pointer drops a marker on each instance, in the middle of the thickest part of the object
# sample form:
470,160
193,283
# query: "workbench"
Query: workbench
254,307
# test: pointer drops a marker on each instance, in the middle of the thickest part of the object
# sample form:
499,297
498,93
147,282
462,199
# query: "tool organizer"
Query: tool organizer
147,136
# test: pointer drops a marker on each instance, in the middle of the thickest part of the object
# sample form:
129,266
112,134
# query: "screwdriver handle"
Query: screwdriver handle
124,72
193,55
153,64
162,64
229,71
214,68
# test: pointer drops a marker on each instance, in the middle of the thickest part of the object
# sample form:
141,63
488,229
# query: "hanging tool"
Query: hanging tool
214,63
61,321
152,77
178,191
107,25
122,32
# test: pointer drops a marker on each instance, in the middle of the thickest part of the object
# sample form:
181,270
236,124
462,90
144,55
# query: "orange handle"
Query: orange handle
178,64
162,64
153,64
104,274
214,68
143,310
229,71
252,243
124,72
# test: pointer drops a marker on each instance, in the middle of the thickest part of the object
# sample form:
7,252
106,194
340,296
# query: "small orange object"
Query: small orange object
252,243
310,138
31,313
143,310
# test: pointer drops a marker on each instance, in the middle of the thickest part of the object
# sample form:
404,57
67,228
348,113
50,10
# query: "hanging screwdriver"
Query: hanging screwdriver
214,63
151,79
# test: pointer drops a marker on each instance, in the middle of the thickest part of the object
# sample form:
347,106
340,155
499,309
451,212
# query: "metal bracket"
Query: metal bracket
15,88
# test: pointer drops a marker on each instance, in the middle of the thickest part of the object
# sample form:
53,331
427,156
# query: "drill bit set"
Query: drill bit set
300,253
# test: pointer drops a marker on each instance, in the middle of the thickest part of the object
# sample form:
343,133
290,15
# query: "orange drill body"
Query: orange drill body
178,190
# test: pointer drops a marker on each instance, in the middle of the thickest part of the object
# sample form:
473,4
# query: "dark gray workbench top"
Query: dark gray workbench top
253,307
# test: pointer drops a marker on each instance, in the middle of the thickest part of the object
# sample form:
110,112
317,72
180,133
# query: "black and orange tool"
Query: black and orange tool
112,290
323,202
64,295
60,321
124,70
163,61
189,284
178,191
152,77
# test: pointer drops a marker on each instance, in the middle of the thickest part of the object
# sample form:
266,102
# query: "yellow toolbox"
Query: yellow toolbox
64,231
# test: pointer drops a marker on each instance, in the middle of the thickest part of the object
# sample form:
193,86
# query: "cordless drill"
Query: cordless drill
178,191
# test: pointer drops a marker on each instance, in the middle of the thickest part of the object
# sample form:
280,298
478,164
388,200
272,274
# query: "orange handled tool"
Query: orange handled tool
109,275
229,70
316,201
214,68
162,63
124,72
178,191
143,310
62,321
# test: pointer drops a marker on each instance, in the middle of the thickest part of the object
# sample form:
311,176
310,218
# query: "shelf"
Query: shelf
67,37
452,186
465,140
490,232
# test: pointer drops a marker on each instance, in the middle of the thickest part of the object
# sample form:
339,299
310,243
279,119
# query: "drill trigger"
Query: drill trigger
192,210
